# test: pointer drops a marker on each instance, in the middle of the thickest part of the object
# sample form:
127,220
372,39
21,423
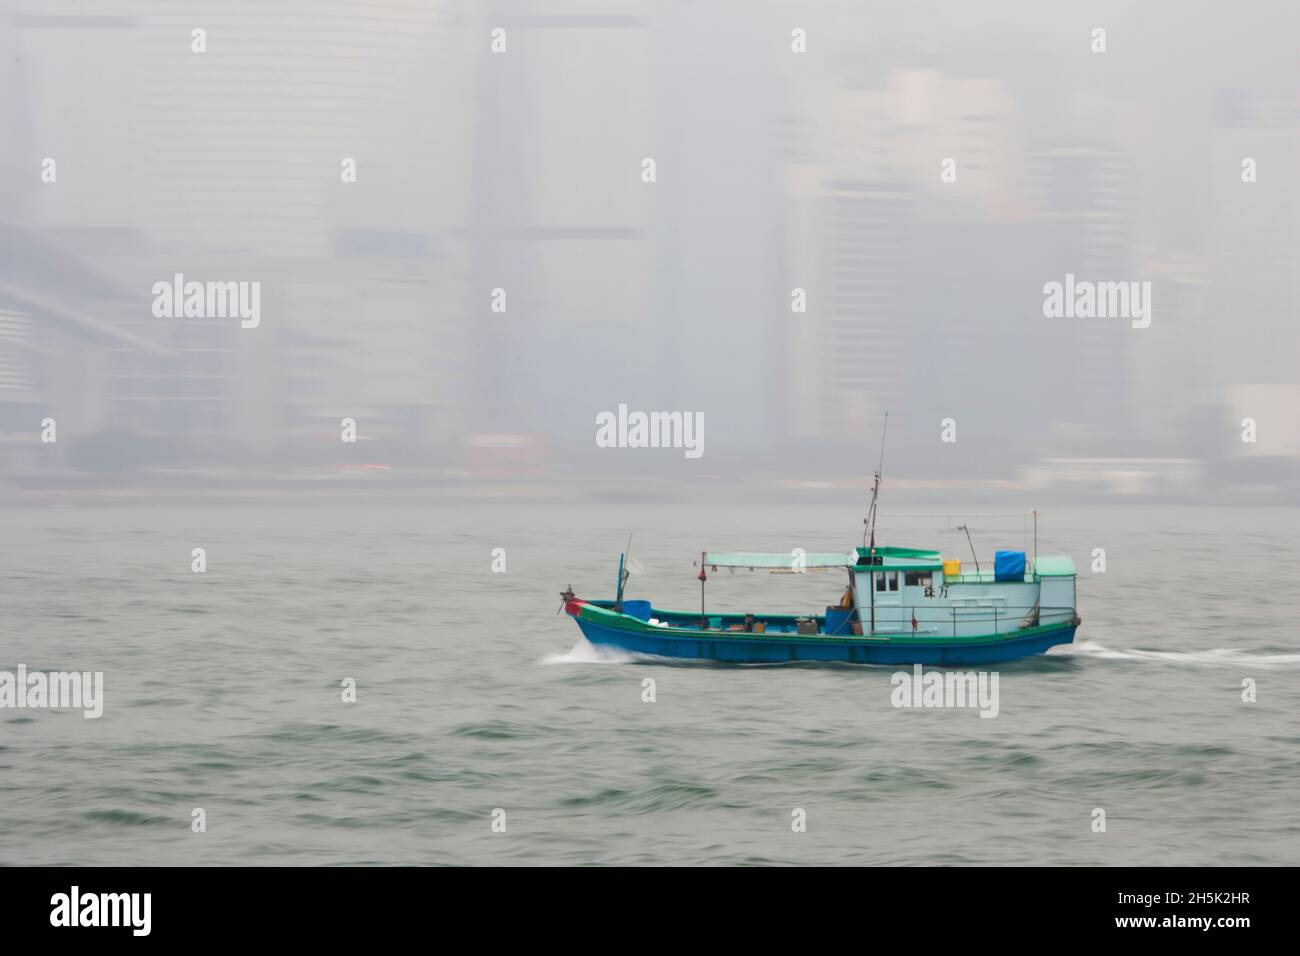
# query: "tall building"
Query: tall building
1252,240
1173,351
556,233
719,304
1084,195
863,338
857,187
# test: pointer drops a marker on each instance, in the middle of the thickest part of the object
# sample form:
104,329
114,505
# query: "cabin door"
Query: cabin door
888,588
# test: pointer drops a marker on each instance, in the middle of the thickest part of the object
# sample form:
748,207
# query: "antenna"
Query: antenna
962,527
880,469
869,522
1035,541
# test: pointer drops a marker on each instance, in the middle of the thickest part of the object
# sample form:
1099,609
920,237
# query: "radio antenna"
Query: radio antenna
962,527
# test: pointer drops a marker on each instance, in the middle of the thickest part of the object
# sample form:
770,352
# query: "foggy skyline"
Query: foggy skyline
507,171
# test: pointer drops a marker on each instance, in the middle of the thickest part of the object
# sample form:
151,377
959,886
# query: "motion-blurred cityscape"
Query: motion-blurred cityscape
501,271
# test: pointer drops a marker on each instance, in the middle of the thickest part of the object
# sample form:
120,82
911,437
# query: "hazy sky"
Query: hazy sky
794,146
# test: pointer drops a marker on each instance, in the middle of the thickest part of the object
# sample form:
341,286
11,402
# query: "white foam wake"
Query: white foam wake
586,653
1212,657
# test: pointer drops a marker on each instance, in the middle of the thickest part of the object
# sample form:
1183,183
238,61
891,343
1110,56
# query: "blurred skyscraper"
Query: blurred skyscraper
919,178
1085,194
922,148
1253,240
557,217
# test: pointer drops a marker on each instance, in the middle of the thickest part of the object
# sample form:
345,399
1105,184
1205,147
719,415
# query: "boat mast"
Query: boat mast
618,592
704,621
622,575
869,523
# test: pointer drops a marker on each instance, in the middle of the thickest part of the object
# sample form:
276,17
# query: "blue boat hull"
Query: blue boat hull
780,649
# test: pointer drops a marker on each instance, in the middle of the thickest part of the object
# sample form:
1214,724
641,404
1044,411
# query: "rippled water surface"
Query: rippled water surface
223,692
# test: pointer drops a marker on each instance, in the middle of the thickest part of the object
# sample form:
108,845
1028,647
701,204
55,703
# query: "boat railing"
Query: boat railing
890,619
941,618
986,577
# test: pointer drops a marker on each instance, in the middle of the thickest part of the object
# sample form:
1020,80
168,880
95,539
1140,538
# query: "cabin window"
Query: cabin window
880,581
893,580
915,579
887,581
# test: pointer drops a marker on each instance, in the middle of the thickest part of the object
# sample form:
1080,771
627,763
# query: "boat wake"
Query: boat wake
586,653
1214,657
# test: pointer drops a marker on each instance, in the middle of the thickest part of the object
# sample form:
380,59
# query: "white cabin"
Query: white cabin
906,590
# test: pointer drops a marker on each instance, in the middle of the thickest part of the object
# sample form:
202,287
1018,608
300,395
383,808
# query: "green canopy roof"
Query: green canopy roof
1054,566
779,560
888,551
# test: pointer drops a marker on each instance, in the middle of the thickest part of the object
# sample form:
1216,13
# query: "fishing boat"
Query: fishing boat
901,606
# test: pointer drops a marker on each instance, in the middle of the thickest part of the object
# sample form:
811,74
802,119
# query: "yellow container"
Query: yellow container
951,567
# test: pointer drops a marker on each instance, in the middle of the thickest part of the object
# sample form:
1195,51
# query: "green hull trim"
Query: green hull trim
610,618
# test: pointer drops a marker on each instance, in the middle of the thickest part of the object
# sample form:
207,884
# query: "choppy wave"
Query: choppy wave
458,717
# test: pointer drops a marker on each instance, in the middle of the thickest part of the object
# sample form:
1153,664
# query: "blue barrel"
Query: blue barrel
839,621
